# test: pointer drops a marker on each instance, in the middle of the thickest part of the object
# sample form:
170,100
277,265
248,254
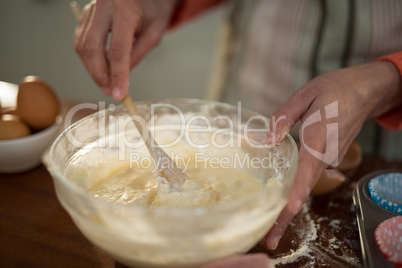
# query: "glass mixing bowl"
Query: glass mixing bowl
144,236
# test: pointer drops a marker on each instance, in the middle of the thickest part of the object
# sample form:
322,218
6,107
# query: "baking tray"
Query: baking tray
369,216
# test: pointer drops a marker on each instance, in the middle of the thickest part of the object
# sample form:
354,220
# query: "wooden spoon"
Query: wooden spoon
168,171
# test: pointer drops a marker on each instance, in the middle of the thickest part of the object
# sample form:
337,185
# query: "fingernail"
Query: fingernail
283,134
278,139
273,243
270,139
117,94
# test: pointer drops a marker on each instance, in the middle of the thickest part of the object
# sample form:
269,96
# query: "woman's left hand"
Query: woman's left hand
332,109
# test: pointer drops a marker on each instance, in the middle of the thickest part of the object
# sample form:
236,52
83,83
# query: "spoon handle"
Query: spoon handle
166,167
142,128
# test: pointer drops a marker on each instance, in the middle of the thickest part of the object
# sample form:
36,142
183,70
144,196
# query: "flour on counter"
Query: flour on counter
335,224
294,255
306,236
309,253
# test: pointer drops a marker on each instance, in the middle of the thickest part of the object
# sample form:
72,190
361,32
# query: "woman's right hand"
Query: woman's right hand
136,26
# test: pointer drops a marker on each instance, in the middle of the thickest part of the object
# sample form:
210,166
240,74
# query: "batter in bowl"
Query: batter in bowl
140,186
213,173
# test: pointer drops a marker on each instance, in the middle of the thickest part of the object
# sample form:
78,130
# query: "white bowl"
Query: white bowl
17,155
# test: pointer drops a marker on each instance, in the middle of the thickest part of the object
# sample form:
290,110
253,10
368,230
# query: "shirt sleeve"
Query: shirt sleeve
392,119
189,9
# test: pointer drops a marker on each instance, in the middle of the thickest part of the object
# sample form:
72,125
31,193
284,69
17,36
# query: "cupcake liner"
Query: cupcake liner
388,236
386,191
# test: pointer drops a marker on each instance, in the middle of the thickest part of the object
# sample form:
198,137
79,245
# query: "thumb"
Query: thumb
287,115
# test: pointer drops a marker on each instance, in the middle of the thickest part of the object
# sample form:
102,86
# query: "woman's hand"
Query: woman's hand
136,26
332,109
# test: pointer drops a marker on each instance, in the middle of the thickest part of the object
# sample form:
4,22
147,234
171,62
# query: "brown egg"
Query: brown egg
352,159
12,127
328,182
37,104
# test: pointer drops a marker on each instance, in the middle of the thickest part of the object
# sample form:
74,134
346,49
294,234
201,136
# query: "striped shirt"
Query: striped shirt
279,45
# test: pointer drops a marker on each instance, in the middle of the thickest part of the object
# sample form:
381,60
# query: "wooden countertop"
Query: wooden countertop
35,231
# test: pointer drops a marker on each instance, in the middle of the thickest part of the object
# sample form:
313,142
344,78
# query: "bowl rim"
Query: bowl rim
171,211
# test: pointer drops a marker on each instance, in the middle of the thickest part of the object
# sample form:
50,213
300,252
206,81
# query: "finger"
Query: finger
318,147
244,261
276,232
306,177
288,114
148,39
309,170
93,44
310,167
124,26
86,15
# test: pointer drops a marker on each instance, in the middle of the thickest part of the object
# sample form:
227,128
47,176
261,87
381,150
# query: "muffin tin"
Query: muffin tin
369,216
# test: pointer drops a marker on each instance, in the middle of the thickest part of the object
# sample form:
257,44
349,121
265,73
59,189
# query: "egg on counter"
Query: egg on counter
37,104
330,180
12,127
352,159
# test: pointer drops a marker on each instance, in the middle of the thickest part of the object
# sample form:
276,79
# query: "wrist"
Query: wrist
386,81
395,59
394,62
391,119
